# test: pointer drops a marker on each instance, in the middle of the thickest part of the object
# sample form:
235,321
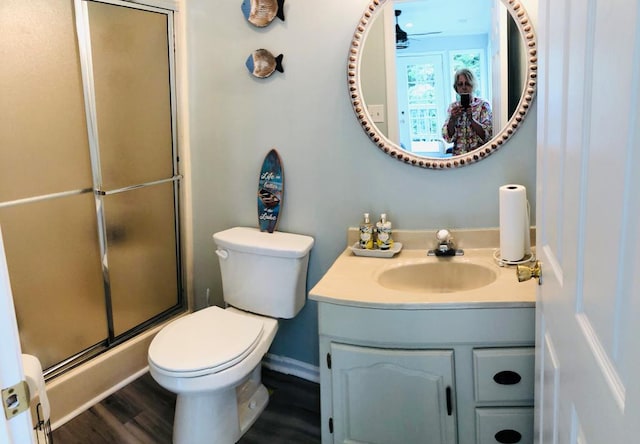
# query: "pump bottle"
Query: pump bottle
366,233
384,233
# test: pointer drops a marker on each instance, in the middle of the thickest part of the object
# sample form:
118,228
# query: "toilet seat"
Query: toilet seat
204,342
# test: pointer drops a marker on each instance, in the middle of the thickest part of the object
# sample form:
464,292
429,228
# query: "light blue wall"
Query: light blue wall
333,172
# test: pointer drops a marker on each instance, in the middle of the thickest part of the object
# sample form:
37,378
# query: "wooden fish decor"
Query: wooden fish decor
261,63
261,13
270,192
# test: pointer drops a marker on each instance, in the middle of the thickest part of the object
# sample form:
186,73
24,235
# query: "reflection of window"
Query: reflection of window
421,98
421,92
421,83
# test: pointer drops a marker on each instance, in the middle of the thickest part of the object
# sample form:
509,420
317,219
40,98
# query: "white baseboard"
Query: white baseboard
290,366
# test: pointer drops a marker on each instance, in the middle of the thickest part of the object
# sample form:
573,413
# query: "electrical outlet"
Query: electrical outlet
376,112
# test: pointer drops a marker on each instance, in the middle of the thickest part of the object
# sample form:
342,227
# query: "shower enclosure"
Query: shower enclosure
89,173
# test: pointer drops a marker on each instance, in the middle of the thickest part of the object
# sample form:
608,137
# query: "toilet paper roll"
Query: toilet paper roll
35,380
514,223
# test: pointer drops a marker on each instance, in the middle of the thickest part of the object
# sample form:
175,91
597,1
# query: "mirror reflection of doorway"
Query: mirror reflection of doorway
424,92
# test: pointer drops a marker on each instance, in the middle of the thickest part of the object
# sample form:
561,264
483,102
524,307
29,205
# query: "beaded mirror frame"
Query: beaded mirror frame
521,18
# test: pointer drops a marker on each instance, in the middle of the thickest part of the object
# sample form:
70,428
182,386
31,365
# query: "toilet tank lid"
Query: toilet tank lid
252,240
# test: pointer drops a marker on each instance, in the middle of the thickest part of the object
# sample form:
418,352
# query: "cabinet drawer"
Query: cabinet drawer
504,374
504,425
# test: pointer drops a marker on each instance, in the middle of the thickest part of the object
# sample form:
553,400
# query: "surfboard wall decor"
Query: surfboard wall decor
270,192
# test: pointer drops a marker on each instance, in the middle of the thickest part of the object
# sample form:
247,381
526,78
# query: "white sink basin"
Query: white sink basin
436,277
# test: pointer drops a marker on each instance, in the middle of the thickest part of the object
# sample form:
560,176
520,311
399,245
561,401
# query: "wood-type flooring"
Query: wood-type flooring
142,413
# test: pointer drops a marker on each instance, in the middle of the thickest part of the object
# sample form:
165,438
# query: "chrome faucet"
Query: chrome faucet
446,247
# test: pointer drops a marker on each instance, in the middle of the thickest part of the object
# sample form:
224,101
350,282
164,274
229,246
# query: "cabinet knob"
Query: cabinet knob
507,377
508,436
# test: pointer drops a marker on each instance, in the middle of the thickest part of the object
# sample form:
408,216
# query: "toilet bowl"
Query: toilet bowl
212,358
238,341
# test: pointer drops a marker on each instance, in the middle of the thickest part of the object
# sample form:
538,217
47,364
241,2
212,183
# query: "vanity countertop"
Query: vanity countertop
352,281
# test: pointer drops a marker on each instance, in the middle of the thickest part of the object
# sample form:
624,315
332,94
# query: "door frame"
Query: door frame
17,429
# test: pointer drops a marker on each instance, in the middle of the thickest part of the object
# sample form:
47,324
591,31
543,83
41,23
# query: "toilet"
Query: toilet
212,358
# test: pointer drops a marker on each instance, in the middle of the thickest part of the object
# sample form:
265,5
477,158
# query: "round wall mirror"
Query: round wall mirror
402,68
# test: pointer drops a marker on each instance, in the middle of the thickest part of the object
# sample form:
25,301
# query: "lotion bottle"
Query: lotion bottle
385,240
366,233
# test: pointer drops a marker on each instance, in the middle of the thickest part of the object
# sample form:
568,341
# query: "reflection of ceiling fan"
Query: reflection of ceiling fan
402,37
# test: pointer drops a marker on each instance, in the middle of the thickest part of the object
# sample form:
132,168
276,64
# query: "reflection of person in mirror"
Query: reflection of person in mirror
469,122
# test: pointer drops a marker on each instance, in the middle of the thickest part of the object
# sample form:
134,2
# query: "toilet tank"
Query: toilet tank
264,273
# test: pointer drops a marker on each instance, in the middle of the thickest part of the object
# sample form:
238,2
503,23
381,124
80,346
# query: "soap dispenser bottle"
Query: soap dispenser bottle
366,233
385,240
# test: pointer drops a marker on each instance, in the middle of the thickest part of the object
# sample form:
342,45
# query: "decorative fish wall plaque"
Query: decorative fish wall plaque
261,63
262,12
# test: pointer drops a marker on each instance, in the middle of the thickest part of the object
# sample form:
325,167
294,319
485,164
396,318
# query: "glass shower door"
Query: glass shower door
47,208
89,179
134,169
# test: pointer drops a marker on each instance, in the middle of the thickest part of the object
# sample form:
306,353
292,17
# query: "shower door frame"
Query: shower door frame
85,55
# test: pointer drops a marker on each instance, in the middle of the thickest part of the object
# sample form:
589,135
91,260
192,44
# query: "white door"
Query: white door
421,102
17,429
588,217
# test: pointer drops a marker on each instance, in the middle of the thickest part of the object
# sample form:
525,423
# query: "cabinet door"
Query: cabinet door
389,396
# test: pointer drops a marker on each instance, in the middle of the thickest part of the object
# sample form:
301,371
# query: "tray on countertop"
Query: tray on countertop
395,249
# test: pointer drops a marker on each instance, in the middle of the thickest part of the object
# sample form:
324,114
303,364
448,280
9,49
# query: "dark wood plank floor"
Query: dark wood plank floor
142,412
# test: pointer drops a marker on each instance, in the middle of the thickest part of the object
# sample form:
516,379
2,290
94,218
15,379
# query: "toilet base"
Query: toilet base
220,417
253,398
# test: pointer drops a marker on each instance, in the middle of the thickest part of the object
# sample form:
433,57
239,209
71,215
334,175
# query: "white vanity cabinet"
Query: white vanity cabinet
445,375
